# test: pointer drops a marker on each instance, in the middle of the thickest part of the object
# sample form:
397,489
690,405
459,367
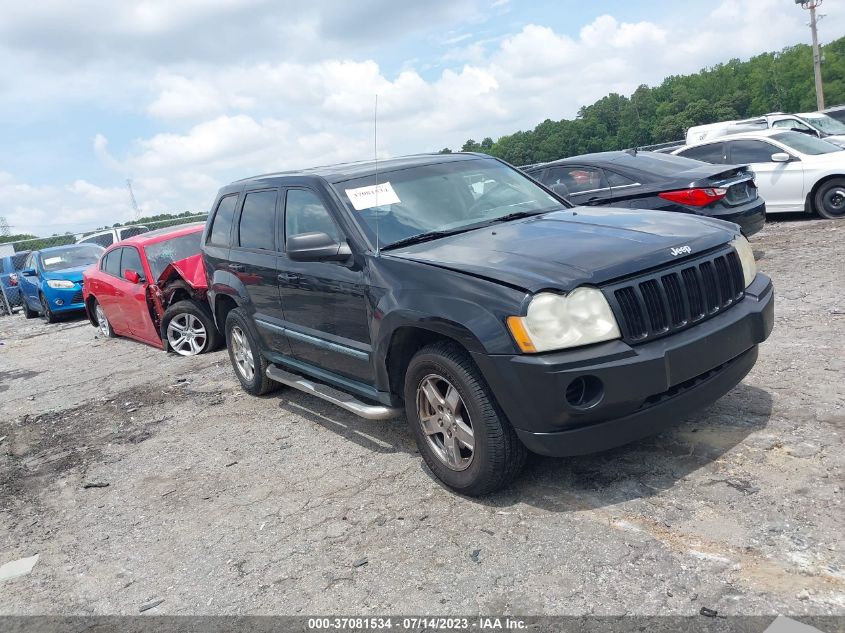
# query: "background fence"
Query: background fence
13,255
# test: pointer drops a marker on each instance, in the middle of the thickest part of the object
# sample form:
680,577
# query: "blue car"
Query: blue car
51,280
10,267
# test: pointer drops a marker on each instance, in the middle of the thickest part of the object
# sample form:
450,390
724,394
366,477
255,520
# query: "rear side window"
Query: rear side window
742,152
111,262
132,231
618,180
708,153
305,213
221,229
104,239
257,225
131,261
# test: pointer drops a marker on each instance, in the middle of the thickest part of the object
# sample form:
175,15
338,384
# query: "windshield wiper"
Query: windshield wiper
428,236
516,215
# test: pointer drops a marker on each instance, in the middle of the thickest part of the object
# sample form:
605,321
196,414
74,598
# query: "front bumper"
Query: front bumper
64,299
644,388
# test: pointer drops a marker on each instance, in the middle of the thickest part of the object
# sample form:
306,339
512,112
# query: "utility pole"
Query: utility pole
817,58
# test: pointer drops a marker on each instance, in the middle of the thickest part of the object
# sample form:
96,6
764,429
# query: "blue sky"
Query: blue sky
183,97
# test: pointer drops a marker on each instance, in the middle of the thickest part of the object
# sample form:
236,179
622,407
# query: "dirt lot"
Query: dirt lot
218,502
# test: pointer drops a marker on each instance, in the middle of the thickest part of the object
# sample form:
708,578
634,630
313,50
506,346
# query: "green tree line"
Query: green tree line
771,82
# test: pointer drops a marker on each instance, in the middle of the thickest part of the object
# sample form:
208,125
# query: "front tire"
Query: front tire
829,201
188,328
463,435
46,312
244,352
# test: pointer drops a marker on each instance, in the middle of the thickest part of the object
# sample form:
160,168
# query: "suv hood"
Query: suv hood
565,249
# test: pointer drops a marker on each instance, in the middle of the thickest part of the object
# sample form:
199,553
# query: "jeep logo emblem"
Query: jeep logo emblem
681,250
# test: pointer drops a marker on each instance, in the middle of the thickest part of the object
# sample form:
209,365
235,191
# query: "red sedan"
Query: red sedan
152,288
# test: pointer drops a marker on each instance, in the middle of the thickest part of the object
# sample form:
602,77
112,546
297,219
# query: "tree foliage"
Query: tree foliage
771,82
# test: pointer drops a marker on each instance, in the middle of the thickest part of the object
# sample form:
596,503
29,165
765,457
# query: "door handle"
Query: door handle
287,276
236,267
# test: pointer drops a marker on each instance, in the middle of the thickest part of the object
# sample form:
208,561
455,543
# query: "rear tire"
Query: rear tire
449,406
27,311
46,312
245,354
829,201
188,329
103,325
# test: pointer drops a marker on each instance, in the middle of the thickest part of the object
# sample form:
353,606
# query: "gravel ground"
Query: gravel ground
220,503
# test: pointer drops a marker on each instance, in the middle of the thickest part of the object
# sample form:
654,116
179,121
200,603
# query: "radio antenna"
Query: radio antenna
375,158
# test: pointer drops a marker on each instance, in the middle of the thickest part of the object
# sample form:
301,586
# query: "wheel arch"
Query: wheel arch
810,202
406,339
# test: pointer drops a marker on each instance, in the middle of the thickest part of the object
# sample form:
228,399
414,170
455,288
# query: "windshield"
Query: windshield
449,196
806,144
163,253
826,124
70,257
657,164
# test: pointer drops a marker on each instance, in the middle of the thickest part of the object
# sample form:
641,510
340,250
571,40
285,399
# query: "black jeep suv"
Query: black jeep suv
497,317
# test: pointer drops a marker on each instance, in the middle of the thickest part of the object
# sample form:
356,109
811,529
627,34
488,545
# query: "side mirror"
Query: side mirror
28,272
781,157
316,247
132,276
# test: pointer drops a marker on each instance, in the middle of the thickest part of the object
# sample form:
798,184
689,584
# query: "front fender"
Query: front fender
479,327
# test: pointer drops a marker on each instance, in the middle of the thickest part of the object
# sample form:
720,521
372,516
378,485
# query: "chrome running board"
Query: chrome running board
335,396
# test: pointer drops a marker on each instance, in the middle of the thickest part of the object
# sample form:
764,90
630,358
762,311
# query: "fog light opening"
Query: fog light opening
584,392
59,302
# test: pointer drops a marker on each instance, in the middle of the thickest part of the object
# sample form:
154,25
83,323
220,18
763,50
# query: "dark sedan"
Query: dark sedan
648,180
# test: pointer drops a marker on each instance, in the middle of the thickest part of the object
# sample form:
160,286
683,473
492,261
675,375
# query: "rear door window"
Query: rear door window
576,178
257,225
111,262
221,228
750,151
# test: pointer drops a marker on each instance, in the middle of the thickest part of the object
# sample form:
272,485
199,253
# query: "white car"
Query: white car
110,236
794,171
815,124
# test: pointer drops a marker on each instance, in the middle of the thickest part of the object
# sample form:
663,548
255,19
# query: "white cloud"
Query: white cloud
293,96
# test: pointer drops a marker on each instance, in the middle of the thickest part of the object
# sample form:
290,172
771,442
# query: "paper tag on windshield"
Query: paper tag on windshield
373,196
49,261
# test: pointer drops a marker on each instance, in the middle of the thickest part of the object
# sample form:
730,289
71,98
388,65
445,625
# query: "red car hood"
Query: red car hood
191,269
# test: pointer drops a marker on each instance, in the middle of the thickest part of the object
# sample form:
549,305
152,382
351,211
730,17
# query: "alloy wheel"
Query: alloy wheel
102,322
186,334
445,421
242,354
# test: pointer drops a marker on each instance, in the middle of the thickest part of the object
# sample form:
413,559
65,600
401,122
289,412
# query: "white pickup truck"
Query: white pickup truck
813,123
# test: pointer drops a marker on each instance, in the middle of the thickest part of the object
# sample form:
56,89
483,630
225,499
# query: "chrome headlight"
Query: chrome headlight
555,321
746,258
60,283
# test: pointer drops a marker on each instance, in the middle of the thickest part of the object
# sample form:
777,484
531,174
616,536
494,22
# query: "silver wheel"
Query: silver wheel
186,334
445,421
103,324
242,354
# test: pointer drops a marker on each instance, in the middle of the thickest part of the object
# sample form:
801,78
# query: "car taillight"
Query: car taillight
695,197
13,279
